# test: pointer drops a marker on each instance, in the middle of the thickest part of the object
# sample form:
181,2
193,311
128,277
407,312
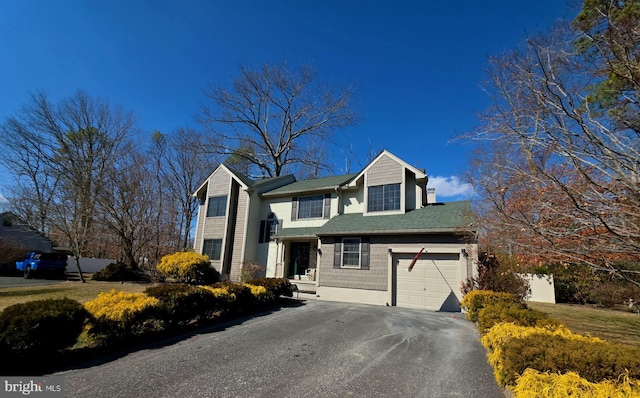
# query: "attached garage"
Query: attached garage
433,283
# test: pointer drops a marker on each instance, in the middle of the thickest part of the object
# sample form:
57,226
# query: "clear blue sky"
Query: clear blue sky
417,65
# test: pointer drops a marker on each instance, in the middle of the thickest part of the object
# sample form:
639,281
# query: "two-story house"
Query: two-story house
354,236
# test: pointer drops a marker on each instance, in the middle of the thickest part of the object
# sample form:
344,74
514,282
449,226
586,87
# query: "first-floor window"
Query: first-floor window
212,248
351,252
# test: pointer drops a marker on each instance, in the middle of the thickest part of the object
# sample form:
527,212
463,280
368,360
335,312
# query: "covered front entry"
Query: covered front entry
432,283
299,258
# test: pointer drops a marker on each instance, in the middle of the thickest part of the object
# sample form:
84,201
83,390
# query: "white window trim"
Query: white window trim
298,218
359,254
365,195
221,248
226,205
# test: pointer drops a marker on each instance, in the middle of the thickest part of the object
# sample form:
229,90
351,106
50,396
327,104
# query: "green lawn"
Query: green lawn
614,326
81,292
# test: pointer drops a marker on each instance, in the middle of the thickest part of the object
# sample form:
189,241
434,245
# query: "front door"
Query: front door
299,259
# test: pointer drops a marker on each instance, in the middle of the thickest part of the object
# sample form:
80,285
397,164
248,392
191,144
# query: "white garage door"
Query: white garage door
431,284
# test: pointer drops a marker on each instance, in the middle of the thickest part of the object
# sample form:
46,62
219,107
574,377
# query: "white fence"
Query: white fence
542,288
88,264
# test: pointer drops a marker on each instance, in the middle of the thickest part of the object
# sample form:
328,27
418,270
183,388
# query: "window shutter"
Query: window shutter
327,206
267,230
337,252
364,249
263,225
294,209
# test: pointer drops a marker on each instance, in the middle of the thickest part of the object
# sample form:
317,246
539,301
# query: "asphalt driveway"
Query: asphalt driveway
318,349
18,281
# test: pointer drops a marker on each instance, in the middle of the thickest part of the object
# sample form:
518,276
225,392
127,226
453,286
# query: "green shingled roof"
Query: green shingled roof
253,183
245,180
266,180
318,184
306,232
441,217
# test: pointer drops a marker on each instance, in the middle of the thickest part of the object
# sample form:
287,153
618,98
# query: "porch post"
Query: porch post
280,259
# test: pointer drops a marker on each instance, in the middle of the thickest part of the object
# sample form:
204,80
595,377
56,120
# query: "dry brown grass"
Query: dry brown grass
81,292
614,326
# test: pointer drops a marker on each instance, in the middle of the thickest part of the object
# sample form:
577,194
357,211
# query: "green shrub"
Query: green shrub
594,361
116,272
573,283
184,304
616,293
42,326
261,295
277,286
242,299
475,300
120,315
224,298
188,267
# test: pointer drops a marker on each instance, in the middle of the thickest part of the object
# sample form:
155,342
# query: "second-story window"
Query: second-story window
383,197
310,206
217,206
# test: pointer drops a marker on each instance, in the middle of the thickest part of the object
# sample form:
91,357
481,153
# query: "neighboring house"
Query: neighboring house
18,232
353,236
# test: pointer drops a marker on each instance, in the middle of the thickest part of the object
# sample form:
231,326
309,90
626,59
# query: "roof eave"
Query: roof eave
297,192
397,232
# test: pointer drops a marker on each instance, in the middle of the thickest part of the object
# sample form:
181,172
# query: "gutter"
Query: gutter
394,232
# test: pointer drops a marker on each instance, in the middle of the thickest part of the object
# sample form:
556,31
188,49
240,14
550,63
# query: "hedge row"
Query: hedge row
488,308
530,353
39,329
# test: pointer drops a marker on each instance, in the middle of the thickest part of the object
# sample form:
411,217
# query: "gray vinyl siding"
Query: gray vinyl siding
219,183
376,277
410,202
385,171
239,236
213,227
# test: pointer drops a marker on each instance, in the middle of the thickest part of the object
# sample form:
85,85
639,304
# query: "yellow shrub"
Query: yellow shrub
256,290
187,267
475,300
119,306
534,384
261,294
500,333
217,291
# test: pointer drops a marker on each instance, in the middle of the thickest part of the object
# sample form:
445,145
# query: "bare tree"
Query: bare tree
559,177
128,205
74,143
273,116
186,165
26,154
